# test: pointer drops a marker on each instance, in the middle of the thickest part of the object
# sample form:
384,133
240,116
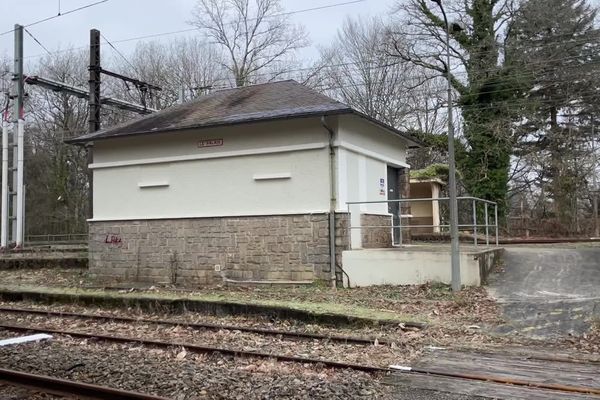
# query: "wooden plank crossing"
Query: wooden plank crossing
502,366
478,388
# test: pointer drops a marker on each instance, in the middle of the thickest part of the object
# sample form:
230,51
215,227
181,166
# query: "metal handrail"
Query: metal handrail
57,238
423,199
474,225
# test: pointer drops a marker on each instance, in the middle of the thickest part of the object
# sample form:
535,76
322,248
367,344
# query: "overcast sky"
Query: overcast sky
124,19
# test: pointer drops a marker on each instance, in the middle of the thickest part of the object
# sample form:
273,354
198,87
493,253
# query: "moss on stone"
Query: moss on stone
434,171
219,302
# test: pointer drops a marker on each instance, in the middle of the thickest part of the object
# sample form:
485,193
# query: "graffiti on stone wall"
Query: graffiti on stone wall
113,240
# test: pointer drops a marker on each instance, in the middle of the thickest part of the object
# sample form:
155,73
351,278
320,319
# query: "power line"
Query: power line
161,34
118,52
38,42
523,74
58,15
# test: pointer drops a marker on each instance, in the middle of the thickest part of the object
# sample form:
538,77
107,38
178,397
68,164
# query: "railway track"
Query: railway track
195,348
73,388
62,387
205,326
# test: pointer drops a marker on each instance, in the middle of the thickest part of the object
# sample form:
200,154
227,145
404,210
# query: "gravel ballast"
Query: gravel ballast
180,375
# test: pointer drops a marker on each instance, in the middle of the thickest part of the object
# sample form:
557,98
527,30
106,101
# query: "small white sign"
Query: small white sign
210,143
25,339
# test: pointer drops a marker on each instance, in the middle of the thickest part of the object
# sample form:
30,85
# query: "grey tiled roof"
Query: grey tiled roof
270,101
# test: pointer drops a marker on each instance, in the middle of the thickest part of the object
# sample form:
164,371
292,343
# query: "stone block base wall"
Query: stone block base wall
421,221
186,251
376,238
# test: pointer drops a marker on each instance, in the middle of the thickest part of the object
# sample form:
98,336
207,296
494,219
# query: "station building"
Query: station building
247,184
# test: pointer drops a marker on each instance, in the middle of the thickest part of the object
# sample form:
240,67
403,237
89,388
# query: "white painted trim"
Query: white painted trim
371,154
149,185
269,177
203,156
163,217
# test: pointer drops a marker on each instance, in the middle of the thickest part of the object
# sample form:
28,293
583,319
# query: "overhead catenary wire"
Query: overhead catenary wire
38,42
119,53
459,73
287,13
161,34
57,15
150,36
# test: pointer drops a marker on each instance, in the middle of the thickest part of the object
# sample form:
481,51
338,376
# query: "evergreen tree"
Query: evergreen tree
554,45
483,84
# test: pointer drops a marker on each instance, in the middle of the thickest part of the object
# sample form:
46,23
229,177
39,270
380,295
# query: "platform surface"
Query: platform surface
504,365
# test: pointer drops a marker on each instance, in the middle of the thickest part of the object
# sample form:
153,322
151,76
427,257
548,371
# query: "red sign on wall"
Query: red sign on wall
210,143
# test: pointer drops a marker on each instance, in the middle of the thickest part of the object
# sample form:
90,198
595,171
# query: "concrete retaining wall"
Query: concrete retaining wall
404,266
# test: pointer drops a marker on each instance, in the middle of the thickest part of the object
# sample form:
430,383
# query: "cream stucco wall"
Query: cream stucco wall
364,153
279,167
260,169
421,190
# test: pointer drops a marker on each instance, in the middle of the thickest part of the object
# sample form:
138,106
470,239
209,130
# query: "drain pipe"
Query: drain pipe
332,201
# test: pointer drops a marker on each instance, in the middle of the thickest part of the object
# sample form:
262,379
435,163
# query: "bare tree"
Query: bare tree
358,70
183,68
478,76
55,172
256,35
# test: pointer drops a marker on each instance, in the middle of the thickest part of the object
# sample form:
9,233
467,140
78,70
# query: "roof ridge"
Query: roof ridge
254,85
261,102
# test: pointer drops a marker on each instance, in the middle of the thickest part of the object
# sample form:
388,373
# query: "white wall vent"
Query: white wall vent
271,177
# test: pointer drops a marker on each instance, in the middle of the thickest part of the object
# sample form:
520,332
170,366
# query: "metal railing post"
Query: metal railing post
497,224
475,221
487,225
399,223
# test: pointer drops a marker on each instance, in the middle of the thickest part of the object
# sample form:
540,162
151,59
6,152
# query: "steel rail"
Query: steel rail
304,360
209,326
196,348
62,387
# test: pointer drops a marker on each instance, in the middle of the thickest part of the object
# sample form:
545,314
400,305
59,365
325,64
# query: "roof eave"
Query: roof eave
416,143
83,140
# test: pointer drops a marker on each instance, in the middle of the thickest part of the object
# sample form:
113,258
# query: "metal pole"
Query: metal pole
497,224
475,221
596,221
17,211
4,222
595,182
487,226
399,223
94,109
456,283
20,186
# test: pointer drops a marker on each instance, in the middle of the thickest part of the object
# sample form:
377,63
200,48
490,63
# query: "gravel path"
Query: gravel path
181,376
